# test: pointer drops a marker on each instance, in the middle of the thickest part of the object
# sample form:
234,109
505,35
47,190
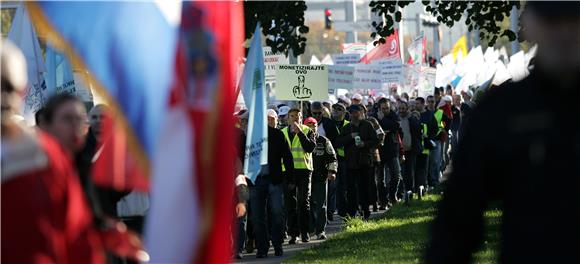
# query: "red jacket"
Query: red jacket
45,217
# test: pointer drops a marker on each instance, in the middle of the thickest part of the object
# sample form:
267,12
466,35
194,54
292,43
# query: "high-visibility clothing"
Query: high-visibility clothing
340,151
302,160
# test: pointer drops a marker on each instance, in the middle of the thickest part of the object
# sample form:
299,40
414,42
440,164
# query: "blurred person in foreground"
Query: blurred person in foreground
522,153
45,216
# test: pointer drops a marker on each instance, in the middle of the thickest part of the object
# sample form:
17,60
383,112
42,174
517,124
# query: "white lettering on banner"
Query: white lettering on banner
367,77
391,70
302,82
340,77
346,59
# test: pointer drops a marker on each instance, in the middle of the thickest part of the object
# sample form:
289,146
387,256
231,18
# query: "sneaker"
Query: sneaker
292,240
305,238
278,252
239,256
321,236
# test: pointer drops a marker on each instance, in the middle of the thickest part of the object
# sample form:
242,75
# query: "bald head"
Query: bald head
96,116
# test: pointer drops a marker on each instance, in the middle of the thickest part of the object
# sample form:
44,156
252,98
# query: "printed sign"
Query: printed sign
391,69
340,77
346,59
427,82
271,60
367,77
302,82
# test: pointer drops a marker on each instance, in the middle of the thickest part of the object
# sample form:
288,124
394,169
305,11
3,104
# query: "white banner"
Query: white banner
426,85
340,77
302,82
271,60
367,76
391,70
346,59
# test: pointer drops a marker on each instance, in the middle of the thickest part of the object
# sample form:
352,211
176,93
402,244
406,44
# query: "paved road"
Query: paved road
289,250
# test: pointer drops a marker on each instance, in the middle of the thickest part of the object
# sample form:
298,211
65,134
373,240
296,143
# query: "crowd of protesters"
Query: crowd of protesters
345,159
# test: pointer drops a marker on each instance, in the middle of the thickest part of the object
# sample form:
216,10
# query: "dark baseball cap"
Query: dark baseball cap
339,105
355,107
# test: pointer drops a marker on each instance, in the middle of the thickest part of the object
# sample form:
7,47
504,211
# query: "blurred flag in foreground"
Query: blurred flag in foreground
255,97
128,48
193,177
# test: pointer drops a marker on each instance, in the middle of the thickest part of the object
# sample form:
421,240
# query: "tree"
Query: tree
282,23
485,16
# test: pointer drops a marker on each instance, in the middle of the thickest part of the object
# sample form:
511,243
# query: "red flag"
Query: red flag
391,49
113,166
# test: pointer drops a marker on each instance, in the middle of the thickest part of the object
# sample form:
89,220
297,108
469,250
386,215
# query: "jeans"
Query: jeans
454,140
435,163
298,206
341,181
373,188
391,171
421,171
357,191
240,235
266,194
381,184
409,170
318,206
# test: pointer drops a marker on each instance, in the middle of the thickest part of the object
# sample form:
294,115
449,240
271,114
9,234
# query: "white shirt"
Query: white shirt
321,131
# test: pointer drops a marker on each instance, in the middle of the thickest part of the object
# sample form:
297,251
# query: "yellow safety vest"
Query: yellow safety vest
340,151
439,119
302,160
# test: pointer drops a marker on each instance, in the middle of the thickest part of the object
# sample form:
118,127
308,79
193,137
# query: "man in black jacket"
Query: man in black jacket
429,132
516,153
268,190
325,167
411,138
358,138
301,141
390,168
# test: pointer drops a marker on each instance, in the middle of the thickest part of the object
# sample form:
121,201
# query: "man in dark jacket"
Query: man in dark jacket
390,168
411,138
267,194
516,153
429,132
358,138
325,167
301,141
339,194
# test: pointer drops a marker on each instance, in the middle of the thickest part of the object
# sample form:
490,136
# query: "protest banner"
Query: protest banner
426,84
302,82
346,59
411,74
271,60
391,70
359,48
367,76
340,77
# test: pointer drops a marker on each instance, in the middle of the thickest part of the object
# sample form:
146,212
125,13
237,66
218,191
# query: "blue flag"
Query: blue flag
255,97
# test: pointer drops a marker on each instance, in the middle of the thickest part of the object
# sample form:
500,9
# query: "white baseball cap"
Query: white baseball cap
283,110
357,97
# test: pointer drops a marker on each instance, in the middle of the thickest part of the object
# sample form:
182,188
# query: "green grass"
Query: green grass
399,236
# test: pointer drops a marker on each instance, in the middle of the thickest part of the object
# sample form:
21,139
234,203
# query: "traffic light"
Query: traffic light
327,19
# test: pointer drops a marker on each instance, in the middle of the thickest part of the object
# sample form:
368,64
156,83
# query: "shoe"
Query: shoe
305,238
375,207
278,252
421,192
261,255
250,246
366,215
292,240
321,236
239,256
330,217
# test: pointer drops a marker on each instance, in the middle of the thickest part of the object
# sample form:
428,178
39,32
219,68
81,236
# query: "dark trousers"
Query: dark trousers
267,201
318,206
239,233
409,170
331,197
421,170
357,191
391,172
373,186
341,183
382,191
298,207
